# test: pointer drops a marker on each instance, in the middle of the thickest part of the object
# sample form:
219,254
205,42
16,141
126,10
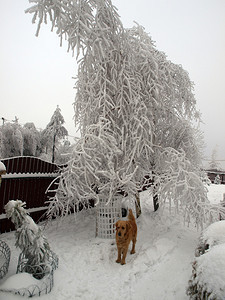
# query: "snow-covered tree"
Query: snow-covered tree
11,140
213,164
63,153
135,110
26,140
31,139
17,140
29,238
54,131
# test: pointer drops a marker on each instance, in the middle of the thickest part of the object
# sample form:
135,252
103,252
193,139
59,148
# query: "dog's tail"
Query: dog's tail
130,215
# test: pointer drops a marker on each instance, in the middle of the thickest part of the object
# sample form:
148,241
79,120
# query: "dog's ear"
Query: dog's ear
128,226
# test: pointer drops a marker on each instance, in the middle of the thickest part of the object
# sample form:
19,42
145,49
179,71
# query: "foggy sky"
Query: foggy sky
36,74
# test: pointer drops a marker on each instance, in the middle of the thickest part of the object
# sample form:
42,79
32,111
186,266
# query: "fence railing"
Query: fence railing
26,179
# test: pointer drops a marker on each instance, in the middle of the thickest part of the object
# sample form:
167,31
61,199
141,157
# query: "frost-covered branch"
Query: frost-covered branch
134,109
84,24
99,167
178,181
29,238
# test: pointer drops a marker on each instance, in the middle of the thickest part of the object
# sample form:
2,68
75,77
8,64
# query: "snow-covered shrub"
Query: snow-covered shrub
208,273
211,236
30,239
217,179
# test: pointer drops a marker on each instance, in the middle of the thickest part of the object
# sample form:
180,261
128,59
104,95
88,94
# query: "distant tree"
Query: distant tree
135,110
31,140
64,152
54,131
11,140
213,163
17,140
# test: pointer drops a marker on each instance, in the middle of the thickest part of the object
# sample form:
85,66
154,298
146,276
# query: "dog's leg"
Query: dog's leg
133,246
124,256
119,255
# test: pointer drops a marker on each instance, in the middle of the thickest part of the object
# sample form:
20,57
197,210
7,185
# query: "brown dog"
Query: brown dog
125,232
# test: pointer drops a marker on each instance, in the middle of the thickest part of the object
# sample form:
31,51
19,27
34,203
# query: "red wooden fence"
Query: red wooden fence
26,179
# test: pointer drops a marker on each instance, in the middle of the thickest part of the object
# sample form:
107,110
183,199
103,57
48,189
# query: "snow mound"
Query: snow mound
211,272
214,234
2,168
19,281
216,193
208,274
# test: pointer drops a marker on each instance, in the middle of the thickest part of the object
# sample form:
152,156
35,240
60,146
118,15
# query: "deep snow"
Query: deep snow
160,269
209,272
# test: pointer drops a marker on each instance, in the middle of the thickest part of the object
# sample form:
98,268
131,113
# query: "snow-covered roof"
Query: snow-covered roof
214,171
22,166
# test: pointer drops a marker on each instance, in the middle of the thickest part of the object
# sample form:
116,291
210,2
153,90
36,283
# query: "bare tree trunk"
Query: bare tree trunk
53,149
155,195
138,204
155,200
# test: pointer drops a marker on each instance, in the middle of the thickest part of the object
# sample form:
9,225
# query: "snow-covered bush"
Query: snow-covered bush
217,179
208,274
30,239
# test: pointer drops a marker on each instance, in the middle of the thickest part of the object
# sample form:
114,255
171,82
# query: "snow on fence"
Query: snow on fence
26,179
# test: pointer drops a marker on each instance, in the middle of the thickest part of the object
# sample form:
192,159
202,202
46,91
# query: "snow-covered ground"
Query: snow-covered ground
160,268
216,193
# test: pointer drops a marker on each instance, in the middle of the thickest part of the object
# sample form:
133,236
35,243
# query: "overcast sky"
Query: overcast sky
36,74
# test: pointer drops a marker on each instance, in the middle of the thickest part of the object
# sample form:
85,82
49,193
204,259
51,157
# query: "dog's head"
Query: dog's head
122,228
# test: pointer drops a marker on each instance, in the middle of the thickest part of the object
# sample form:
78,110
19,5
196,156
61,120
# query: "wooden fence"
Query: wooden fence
26,179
